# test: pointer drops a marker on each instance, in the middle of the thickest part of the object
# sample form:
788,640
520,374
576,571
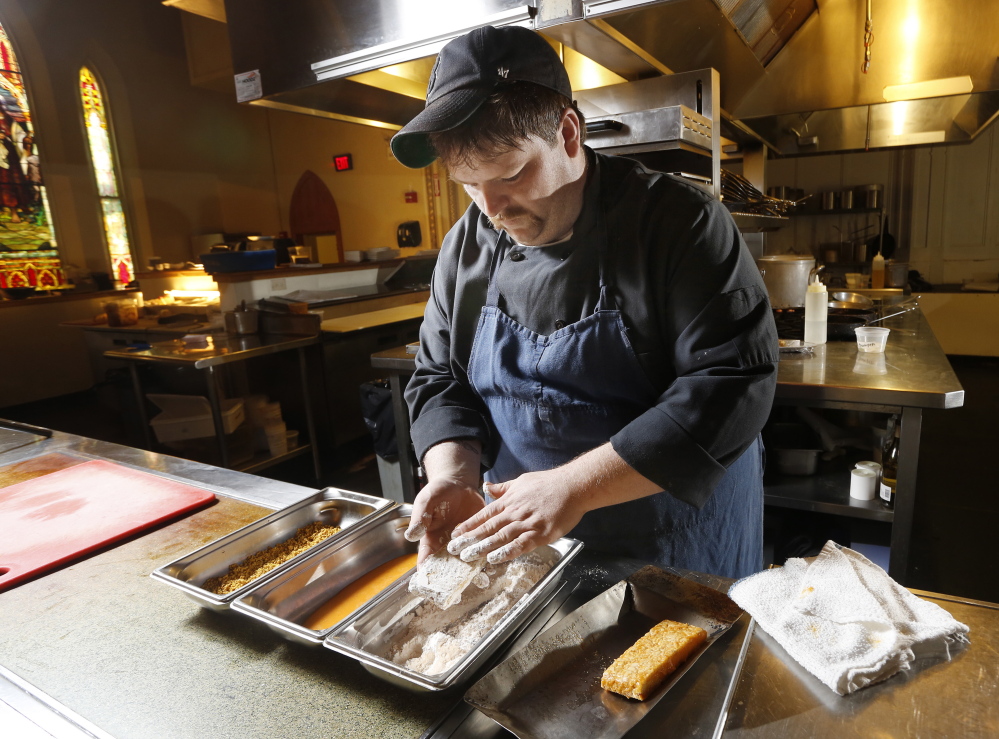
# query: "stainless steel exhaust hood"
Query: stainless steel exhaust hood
329,57
789,69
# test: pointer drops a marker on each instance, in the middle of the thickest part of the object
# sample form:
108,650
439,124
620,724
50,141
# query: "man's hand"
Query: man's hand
539,507
450,497
530,511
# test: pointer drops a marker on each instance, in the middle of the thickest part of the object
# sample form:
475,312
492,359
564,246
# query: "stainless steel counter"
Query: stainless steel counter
912,372
99,649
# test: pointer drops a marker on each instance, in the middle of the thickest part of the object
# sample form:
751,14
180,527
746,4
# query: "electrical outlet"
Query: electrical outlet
279,284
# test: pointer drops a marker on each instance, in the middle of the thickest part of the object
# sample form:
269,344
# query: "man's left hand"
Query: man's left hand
530,511
539,507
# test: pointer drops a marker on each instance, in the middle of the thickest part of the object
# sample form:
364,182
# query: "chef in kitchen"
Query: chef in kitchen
598,340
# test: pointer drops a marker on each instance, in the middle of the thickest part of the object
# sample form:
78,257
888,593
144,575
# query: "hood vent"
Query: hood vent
766,25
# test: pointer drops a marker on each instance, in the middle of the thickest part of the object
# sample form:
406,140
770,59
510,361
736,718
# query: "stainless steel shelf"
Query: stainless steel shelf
753,223
828,491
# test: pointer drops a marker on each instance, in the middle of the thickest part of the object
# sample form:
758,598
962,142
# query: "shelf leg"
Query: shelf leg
407,466
140,404
310,421
905,498
214,393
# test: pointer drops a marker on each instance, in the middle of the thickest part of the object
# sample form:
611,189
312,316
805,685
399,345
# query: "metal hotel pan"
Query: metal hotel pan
286,601
551,688
366,634
331,506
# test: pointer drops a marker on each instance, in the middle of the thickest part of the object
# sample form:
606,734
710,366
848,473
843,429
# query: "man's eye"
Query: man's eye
514,178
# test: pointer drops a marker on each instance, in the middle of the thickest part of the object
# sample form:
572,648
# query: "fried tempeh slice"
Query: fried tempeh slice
646,663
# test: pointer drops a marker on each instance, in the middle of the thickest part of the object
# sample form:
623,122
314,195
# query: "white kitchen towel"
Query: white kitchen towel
843,619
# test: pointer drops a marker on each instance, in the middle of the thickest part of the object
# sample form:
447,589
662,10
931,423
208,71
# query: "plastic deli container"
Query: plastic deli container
871,338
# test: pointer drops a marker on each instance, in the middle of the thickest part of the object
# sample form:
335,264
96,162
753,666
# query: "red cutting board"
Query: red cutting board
49,520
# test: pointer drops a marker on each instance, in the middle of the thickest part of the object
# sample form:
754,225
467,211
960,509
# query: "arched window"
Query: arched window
102,161
28,256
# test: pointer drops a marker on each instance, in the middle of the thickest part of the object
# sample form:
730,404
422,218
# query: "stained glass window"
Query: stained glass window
28,256
103,162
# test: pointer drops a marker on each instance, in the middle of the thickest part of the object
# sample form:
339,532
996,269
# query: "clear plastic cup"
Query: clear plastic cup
871,338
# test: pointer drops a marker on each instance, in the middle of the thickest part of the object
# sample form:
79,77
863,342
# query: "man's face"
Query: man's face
533,193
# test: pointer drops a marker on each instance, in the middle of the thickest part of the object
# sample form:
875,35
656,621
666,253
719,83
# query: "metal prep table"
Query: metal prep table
915,374
223,349
912,374
99,649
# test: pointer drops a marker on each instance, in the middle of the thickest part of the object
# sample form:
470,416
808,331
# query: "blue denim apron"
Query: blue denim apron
552,398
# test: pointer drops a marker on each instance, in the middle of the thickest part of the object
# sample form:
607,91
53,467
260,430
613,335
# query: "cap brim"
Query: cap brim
411,145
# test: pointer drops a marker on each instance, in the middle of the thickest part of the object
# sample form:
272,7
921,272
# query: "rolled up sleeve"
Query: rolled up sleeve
714,313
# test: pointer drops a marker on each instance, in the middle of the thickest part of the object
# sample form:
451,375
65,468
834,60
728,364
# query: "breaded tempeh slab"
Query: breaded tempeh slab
646,663
443,577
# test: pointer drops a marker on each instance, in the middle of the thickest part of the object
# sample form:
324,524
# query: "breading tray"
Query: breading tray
330,505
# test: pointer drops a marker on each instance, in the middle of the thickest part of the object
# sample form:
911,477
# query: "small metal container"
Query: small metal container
829,200
285,602
367,634
846,199
870,196
331,506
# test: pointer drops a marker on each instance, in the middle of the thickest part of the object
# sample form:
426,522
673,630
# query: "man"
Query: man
598,339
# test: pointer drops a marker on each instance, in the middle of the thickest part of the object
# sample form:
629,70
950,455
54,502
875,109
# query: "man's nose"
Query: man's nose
493,201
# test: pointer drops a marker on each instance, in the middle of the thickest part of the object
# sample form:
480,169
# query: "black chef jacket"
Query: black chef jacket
691,298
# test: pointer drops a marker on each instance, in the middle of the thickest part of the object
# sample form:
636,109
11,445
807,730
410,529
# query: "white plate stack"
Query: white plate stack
382,253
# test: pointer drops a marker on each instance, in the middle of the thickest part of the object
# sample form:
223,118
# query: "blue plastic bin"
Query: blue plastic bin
239,261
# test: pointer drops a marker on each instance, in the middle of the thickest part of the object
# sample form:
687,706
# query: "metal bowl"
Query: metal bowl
331,506
850,300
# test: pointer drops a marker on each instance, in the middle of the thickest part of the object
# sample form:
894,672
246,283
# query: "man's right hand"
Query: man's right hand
450,497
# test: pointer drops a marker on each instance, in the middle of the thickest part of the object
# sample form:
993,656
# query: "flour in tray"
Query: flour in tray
443,577
434,639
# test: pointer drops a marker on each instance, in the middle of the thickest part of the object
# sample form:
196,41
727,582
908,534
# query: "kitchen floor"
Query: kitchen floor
957,511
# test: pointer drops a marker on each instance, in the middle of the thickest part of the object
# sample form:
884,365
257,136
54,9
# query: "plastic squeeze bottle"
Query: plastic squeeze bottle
816,311
877,272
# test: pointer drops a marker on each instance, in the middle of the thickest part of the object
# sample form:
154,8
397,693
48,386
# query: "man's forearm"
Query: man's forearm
602,478
459,460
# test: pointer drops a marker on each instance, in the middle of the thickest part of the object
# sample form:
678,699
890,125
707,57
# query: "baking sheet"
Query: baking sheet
551,689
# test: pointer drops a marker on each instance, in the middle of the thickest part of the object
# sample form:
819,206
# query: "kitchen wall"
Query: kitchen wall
370,198
943,204
191,161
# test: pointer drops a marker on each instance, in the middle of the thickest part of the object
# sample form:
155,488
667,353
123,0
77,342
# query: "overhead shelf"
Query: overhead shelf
752,223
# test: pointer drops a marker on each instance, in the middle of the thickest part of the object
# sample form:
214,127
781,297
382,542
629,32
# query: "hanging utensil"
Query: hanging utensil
912,305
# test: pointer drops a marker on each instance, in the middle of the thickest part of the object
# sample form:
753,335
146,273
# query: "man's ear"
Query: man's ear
570,132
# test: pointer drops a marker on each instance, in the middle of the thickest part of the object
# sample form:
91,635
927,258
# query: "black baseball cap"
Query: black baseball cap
467,71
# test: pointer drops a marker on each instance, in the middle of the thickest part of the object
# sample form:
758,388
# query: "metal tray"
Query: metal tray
551,688
365,635
329,505
286,601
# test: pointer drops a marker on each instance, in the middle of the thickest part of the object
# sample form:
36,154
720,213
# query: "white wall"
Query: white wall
955,218
952,233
